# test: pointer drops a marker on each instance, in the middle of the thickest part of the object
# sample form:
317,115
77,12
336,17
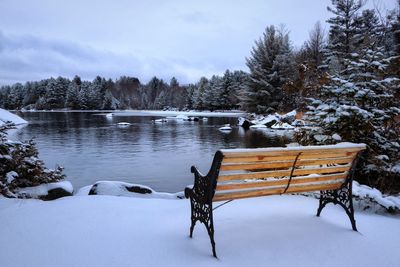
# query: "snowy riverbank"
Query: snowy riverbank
156,113
6,116
121,231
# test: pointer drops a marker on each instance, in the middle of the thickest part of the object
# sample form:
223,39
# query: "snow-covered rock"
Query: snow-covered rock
282,126
115,188
123,124
226,127
49,191
245,123
180,117
268,120
6,116
258,126
298,123
161,120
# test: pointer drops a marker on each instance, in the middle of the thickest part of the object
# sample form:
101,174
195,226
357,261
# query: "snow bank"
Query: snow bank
119,231
6,116
372,196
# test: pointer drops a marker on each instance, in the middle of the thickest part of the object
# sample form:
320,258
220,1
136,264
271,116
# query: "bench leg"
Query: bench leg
342,197
203,213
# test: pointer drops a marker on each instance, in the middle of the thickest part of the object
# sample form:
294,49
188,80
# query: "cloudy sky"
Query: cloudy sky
185,39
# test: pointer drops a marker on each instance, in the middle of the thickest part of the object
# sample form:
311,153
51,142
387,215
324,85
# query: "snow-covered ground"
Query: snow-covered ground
6,116
123,231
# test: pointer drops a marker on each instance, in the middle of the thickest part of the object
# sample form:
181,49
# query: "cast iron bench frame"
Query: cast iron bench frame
205,187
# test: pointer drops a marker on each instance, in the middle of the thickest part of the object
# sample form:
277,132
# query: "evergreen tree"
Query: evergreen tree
72,98
268,71
358,106
344,35
85,96
224,92
16,96
108,101
21,167
55,93
198,95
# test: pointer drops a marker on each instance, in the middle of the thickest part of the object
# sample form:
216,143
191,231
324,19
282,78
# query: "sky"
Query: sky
171,38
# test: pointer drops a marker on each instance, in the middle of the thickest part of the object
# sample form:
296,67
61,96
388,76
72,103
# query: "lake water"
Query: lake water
91,146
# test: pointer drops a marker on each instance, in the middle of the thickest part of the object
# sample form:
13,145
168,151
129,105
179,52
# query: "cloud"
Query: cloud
27,57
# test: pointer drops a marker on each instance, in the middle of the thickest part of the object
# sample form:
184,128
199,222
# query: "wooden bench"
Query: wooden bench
244,173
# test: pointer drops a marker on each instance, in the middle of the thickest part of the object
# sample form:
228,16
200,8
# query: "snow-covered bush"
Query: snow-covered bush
20,166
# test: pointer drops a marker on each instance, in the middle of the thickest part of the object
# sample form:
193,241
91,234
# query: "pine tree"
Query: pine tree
268,72
198,95
224,92
72,97
21,167
85,95
344,35
358,106
16,96
55,93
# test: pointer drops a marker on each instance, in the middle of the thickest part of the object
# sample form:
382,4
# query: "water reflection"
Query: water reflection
92,147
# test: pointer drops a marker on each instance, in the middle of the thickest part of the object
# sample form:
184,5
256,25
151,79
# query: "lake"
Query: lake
92,147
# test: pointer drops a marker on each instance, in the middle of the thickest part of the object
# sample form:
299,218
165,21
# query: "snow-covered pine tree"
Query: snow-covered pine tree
16,96
56,90
72,98
21,167
224,92
239,81
108,103
212,89
198,95
85,96
358,106
344,35
267,71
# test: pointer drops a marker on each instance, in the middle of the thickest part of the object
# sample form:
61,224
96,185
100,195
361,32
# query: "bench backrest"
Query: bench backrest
268,171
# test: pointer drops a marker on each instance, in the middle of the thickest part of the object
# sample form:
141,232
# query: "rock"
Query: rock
245,123
55,194
138,189
117,188
270,123
48,191
93,190
258,126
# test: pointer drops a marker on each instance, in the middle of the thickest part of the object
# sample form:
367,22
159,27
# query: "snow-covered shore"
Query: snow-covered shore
160,113
122,231
6,116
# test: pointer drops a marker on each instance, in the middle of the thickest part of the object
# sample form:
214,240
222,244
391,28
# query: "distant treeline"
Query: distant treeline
125,93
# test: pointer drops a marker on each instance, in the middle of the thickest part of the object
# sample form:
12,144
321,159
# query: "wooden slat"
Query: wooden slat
285,158
256,153
265,192
281,173
284,164
277,182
